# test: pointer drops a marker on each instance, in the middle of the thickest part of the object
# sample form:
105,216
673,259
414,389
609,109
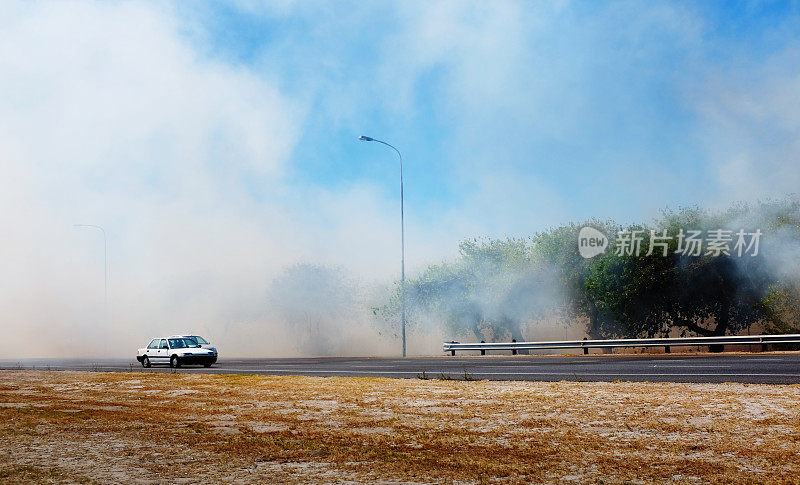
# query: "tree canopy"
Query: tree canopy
493,288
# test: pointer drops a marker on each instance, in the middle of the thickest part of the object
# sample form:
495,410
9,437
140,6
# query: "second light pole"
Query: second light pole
402,242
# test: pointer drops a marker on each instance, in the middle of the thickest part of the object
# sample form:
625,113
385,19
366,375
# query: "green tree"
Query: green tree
707,295
491,289
558,249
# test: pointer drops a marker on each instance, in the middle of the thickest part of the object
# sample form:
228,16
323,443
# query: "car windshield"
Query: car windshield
180,343
200,340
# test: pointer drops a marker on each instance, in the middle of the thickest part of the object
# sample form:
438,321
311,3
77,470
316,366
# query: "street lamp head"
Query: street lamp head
365,138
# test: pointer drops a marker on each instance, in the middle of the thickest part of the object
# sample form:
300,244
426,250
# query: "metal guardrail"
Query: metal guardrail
514,346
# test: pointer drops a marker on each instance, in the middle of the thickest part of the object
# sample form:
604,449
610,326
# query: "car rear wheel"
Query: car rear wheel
145,361
174,362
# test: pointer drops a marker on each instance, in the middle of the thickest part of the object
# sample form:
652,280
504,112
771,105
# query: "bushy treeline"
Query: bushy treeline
497,288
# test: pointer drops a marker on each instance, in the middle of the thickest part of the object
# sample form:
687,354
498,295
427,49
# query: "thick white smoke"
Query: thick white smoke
117,114
111,118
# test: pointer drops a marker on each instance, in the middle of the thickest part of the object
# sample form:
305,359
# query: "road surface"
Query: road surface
767,368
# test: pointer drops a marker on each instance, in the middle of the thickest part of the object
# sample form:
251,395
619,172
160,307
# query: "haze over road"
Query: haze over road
766,368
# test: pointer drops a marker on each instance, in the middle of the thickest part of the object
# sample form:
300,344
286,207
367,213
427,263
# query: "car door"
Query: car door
163,352
152,349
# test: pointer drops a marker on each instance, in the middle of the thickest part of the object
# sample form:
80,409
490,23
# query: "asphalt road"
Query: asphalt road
767,368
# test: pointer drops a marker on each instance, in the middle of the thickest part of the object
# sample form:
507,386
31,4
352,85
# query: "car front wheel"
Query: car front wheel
174,362
145,361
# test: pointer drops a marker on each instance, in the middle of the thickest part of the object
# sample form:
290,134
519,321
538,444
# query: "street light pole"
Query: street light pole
402,242
105,267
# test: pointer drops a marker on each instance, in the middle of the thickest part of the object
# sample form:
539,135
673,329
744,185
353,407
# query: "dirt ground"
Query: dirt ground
86,427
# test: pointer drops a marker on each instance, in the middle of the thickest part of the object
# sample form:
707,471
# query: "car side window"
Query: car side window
153,344
164,344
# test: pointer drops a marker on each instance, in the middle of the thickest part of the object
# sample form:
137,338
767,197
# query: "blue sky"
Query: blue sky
567,110
216,141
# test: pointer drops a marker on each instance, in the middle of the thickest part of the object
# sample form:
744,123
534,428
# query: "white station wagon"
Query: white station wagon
175,351
199,340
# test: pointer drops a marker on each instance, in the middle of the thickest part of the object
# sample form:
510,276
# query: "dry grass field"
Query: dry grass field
85,427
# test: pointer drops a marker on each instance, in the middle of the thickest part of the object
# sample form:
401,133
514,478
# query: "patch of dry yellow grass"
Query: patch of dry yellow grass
109,427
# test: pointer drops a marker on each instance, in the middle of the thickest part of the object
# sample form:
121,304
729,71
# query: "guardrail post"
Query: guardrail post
666,349
764,348
585,349
452,349
513,351
483,351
